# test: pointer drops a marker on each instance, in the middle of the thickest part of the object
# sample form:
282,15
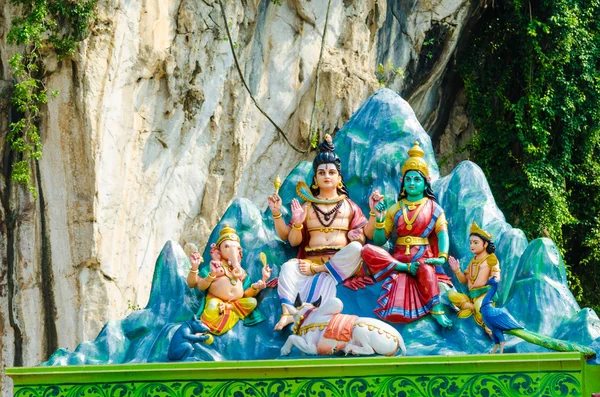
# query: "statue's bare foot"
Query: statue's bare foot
443,320
283,322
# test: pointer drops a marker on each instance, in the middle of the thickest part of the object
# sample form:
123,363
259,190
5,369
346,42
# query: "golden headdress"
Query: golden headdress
415,161
227,233
475,229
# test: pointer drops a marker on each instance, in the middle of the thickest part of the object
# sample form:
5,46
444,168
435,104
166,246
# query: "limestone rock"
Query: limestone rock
153,135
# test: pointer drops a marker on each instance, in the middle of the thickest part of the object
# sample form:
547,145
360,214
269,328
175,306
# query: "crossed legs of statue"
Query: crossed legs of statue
292,281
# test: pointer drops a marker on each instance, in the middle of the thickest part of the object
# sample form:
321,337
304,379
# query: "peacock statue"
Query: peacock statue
499,321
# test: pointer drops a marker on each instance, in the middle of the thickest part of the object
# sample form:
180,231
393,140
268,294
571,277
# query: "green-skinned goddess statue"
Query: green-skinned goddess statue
412,273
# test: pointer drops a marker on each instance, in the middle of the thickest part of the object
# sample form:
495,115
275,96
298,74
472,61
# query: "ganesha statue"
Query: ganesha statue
230,293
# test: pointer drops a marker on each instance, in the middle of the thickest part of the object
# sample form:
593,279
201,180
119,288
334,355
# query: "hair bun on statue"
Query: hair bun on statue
327,155
327,145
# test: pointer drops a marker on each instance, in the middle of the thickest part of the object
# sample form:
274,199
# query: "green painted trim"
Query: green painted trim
532,374
509,385
591,379
300,368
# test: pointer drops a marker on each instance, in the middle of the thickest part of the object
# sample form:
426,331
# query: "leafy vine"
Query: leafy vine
532,78
41,25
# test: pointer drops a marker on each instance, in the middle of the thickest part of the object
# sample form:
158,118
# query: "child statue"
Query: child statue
412,272
481,268
230,293
327,228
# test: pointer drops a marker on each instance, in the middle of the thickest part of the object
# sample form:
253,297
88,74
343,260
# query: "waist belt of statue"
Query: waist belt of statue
409,240
327,229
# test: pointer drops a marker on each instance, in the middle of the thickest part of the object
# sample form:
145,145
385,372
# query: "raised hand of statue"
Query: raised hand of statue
380,209
298,213
454,264
216,269
274,202
375,199
196,260
435,261
259,285
266,273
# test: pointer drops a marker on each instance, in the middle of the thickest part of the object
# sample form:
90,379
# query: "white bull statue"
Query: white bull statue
324,330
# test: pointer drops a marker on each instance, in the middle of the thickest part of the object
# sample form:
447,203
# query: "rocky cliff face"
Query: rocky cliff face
154,134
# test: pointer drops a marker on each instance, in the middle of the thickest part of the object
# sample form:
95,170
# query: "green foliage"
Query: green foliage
314,139
132,306
386,74
532,77
42,24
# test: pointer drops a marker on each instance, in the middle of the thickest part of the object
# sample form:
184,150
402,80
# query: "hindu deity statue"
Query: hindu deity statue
413,272
327,228
231,294
481,268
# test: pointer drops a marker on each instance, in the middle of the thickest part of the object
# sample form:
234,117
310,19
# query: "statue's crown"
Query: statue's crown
475,229
227,233
415,161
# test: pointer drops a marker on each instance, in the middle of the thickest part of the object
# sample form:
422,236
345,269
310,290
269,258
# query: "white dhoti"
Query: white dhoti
342,265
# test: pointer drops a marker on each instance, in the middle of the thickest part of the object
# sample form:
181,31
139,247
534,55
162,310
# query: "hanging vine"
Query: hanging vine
532,78
313,136
41,25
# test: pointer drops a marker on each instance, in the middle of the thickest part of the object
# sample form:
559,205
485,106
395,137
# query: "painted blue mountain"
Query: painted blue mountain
373,146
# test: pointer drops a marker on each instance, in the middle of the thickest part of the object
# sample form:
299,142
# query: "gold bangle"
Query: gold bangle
297,227
443,255
312,269
408,267
193,271
380,225
286,314
371,213
438,313
211,277
277,216
457,271
254,288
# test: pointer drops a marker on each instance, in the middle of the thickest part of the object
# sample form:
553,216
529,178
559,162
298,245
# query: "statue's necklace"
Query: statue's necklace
475,266
329,216
411,206
230,276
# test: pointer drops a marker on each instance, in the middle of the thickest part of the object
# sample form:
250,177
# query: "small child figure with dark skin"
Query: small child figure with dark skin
230,296
480,269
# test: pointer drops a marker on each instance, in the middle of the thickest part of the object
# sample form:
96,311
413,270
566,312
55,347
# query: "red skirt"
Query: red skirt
404,298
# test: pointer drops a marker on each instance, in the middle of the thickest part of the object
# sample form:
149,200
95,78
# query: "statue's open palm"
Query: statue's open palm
298,212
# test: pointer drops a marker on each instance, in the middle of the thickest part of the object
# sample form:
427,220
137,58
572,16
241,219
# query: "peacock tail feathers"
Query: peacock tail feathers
551,343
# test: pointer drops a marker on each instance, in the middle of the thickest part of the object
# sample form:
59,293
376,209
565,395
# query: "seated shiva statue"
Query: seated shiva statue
327,228
231,294
412,272
480,270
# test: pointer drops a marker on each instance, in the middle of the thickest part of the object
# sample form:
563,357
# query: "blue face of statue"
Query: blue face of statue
414,184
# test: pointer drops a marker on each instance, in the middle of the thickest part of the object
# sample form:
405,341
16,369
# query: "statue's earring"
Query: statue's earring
340,185
314,186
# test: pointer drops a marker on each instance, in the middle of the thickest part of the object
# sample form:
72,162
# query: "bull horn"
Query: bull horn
317,303
298,302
